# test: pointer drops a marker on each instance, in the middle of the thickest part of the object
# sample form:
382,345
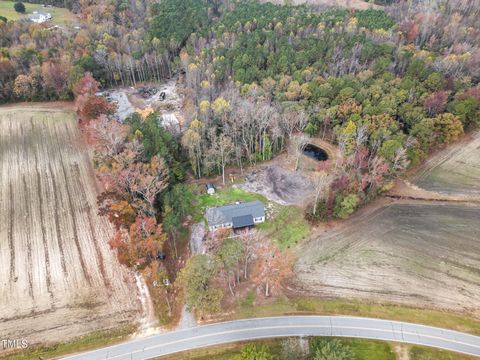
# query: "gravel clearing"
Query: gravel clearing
278,184
58,276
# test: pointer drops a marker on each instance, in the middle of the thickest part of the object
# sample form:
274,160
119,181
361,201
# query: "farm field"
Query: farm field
60,16
421,254
453,171
59,279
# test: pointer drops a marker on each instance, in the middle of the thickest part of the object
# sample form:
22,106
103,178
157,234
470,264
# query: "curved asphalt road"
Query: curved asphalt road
249,329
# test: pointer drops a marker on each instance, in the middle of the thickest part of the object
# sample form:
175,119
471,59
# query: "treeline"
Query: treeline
354,78
119,42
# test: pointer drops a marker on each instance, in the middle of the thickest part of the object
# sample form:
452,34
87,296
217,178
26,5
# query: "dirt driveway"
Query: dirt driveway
58,276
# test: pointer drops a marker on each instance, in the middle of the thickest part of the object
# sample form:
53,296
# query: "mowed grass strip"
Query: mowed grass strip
285,306
426,353
60,16
90,341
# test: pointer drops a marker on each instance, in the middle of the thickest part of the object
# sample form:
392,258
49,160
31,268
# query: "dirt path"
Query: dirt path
58,276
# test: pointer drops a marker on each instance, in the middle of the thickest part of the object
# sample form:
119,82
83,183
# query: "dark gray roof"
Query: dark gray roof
225,214
242,221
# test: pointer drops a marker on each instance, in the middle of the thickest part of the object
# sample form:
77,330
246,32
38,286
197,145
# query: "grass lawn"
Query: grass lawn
447,320
426,353
227,196
287,228
369,349
88,342
60,16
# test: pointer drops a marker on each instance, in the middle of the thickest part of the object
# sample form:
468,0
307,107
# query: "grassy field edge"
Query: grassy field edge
315,306
86,342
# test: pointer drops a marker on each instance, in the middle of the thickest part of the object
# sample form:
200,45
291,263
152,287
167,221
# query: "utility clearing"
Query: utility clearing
58,277
421,248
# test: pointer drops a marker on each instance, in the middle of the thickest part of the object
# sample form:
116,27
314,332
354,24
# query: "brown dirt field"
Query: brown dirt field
419,246
58,277
453,171
419,254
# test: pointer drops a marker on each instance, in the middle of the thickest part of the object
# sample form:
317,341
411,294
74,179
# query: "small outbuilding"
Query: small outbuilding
210,189
236,216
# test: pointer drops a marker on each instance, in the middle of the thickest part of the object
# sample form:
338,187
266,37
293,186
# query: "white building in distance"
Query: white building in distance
39,17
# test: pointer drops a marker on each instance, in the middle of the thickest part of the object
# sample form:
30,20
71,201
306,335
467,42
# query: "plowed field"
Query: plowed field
58,277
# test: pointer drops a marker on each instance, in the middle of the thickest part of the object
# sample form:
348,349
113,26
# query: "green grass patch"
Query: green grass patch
226,196
225,352
60,16
222,196
287,227
438,318
369,349
426,353
87,342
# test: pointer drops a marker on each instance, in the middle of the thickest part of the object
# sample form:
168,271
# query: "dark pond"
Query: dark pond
315,152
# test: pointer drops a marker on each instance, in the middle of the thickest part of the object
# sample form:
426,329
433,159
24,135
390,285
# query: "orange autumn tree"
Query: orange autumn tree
272,267
140,244
88,105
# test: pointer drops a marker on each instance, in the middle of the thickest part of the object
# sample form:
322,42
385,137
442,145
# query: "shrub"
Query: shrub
19,7
330,349
345,205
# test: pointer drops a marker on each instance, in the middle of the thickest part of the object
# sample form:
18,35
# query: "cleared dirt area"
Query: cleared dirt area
453,171
58,277
279,184
418,246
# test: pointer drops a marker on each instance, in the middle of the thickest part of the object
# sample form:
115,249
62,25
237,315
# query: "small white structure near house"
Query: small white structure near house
210,189
236,216
39,17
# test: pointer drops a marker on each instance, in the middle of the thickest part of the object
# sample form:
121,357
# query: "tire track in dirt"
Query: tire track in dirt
48,277
57,221
83,195
28,216
11,243
74,220
29,241
10,234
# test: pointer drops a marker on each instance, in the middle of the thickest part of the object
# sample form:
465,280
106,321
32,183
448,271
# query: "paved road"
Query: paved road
249,329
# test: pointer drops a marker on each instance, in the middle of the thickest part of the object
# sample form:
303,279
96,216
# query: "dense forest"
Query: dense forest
386,85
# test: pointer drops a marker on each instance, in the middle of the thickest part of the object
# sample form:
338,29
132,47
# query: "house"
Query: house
236,216
210,189
39,17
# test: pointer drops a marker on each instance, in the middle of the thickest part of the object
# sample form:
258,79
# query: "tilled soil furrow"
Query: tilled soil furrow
57,221
55,261
29,241
74,220
88,208
11,243
48,277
